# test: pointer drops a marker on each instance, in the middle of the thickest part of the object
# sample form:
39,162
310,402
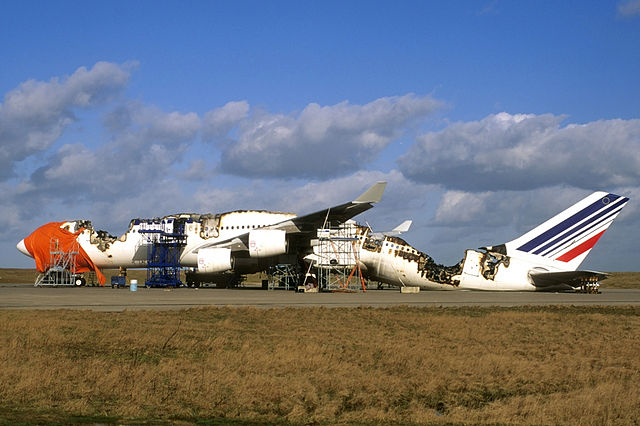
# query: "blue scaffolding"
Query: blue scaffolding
163,256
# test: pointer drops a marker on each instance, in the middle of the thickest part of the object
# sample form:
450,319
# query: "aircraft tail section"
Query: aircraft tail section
569,236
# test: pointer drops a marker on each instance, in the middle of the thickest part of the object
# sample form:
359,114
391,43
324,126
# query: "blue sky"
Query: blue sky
114,110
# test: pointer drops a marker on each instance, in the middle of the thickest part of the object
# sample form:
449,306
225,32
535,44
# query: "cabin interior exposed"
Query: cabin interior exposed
427,267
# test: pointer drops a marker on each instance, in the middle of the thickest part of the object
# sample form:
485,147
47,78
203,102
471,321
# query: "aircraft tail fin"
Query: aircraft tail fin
403,227
569,236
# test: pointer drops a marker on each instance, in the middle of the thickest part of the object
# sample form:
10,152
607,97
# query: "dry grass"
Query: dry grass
17,276
622,280
368,366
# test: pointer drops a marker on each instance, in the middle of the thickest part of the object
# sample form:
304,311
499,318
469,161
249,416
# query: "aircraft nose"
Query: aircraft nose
22,248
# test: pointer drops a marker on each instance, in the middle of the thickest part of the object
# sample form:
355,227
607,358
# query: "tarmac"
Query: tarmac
107,299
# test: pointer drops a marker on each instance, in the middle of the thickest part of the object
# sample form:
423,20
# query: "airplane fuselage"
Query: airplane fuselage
393,261
131,249
240,242
389,260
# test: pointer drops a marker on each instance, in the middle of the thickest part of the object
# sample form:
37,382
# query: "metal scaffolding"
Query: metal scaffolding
61,269
165,241
283,276
338,263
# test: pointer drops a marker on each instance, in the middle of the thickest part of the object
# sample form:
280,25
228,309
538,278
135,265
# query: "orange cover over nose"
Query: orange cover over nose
38,244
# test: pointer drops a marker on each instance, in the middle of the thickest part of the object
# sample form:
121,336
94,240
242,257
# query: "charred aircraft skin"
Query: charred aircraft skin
543,259
246,241
130,249
236,242
391,260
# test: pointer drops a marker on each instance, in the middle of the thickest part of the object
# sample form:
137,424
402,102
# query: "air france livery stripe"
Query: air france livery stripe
578,250
594,221
602,213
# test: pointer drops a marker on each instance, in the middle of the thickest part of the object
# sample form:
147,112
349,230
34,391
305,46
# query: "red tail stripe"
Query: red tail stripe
578,250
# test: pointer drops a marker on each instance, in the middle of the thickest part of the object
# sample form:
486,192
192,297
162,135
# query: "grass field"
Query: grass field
555,365
8,275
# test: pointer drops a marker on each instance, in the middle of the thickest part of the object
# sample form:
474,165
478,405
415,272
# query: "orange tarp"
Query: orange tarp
39,245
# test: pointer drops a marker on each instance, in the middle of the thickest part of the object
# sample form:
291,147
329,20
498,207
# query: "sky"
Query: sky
485,117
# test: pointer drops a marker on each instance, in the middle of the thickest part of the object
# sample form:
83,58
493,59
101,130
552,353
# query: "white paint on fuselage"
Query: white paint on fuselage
387,265
390,267
232,225
130,250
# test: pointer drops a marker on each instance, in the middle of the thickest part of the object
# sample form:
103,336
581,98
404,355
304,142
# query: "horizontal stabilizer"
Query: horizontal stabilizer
573,279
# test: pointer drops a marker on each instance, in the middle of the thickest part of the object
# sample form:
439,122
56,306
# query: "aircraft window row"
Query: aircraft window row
229,227
237,227
243,227
401,248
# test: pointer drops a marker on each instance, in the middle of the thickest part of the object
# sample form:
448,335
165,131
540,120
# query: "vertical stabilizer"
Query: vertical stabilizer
569,236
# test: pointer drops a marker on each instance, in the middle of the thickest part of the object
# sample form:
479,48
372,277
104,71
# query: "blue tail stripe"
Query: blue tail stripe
588,229
554,251
567,223
584,226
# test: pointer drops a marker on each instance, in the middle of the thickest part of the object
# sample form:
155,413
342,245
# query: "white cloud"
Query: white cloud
471,184
10,211
34,115
137,125
320,142
520,152
313,196
304,197
520,209
140,157
72,162
473,219
457,207
221,120
197,170
159,199
629,8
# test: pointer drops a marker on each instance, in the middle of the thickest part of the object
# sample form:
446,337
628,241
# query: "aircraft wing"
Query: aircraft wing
543,279
311,222
334,215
